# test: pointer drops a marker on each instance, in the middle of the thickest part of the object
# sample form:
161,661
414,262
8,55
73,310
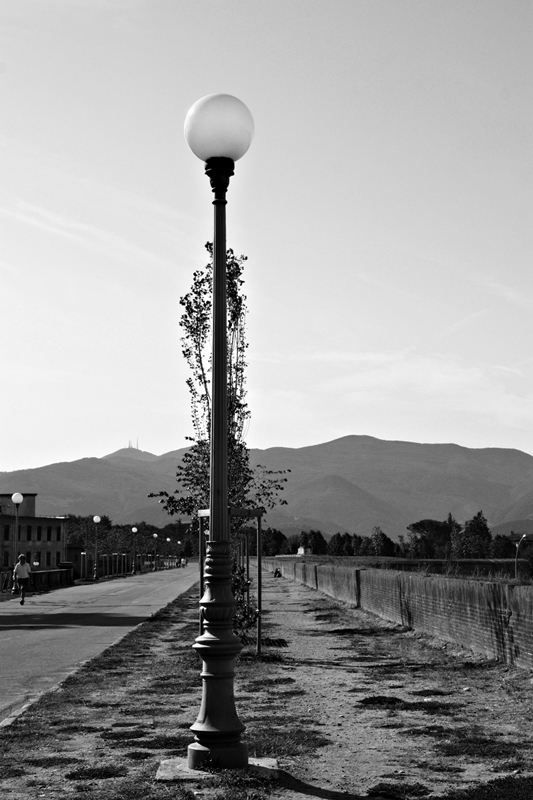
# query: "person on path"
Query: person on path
21,574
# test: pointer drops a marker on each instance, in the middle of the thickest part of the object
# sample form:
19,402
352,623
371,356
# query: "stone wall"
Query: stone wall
493,619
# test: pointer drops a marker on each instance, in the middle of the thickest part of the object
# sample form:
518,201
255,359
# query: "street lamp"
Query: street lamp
16,499
219,130
524,535
96,520
155,545
134,565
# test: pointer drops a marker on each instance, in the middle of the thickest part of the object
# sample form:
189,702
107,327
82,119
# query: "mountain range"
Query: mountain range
349,484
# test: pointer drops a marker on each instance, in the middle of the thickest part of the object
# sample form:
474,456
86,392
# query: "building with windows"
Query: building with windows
43,540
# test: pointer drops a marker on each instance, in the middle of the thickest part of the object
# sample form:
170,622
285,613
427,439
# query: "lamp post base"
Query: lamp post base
223,756
218,729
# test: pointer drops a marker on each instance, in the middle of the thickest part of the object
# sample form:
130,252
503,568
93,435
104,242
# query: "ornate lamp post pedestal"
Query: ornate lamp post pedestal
218,729
219,130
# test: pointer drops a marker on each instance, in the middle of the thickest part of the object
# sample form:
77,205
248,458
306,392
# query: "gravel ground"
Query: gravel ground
403,715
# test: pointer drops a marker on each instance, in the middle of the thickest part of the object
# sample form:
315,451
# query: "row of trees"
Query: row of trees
427,538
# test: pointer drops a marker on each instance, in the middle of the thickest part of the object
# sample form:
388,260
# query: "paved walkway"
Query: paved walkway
52,634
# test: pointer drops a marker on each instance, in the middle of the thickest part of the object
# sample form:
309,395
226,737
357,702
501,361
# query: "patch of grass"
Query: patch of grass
281,739
472,743
391,725
24,728
367,631
144,711
517,788
386,701
45,762
137,755
77,727
97,773
11,771
102,704
266,683
439,767
273,658
233,785
166,741
401,791
123,735
438,731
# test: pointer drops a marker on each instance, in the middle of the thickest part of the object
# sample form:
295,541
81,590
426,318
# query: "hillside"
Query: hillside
349,484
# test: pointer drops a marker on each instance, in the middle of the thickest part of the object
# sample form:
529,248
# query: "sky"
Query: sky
385,207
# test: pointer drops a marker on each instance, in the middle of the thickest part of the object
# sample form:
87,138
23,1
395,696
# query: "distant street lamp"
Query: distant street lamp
96,520
155,545
134,565
16,499
524,536
219,130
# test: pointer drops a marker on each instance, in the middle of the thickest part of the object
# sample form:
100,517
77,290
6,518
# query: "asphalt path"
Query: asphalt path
52,634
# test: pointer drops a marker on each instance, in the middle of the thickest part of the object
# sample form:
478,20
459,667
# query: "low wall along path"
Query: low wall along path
493,619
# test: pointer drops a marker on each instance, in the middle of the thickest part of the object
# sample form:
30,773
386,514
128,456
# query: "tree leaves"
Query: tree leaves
247,487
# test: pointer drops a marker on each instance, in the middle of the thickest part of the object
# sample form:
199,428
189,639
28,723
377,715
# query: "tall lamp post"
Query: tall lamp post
16,499
96,520
219,130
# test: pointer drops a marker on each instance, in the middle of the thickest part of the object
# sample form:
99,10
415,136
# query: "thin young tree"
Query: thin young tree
248,487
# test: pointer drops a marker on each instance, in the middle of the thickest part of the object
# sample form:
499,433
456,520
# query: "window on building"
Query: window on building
37,557
58,559
28,533
58,533
6,558
48,559
49,534
28,557
6,533
39,532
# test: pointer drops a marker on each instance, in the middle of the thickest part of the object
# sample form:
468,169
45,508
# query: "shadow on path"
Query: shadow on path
68,620
287,781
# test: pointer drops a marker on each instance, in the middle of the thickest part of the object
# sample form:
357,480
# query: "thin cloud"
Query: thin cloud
89,236
510,294
464,322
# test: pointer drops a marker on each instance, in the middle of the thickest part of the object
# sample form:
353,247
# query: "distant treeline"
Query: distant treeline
426,539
